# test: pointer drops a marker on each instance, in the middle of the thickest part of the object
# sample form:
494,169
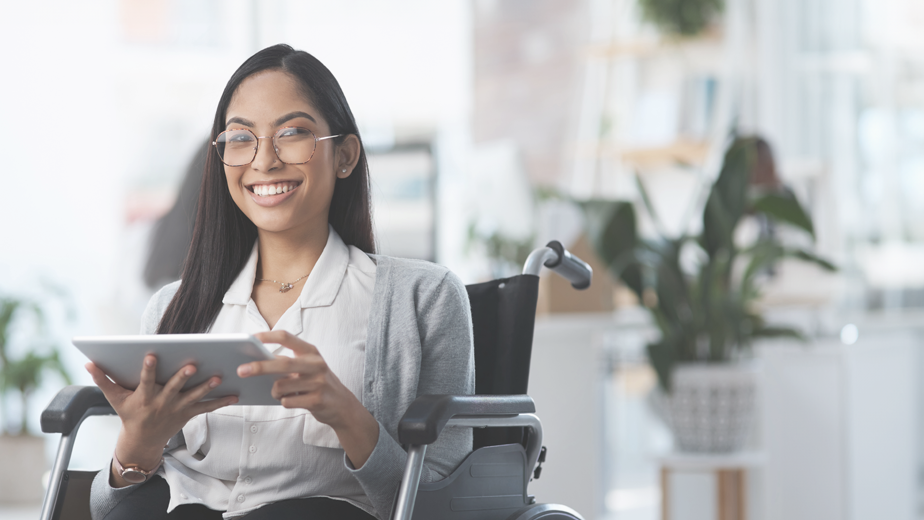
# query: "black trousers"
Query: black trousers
150,500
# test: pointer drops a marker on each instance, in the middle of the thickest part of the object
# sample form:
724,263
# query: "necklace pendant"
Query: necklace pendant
285,287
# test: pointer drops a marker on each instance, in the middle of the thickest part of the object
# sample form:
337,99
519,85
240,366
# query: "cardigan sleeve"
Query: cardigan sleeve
441,327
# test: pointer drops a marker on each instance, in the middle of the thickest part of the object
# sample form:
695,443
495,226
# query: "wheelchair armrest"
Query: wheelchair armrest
68,407
426,417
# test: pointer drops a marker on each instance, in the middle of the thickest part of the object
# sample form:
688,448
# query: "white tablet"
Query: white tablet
121,357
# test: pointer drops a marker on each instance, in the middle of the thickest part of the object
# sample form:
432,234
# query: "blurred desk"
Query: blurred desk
730,474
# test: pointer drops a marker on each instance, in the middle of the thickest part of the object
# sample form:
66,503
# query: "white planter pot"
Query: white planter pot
711,406
23,463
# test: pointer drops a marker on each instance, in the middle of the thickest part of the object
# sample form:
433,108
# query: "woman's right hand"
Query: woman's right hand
152,414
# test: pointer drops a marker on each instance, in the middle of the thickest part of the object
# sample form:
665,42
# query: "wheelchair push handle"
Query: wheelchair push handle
557,258
70,406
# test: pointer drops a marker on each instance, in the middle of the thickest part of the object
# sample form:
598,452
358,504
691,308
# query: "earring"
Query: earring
343,170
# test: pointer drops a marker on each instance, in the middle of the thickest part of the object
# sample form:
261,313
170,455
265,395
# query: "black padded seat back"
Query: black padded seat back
503,318
73,500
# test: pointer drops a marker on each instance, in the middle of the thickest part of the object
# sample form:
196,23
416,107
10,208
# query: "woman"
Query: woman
282,249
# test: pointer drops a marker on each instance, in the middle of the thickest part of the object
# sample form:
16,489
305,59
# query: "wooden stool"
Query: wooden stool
730,472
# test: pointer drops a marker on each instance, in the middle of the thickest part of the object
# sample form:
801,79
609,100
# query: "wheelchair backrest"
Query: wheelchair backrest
503,318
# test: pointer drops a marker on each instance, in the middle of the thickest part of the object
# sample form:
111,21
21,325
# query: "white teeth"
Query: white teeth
265,190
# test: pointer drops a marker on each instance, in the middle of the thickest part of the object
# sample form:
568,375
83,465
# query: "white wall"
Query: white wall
839,425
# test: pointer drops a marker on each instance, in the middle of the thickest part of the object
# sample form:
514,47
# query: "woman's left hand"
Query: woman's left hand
313,386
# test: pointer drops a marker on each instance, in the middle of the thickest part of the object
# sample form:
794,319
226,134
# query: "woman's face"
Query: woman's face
264,103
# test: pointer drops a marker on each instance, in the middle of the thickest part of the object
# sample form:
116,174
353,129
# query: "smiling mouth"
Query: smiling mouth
268,190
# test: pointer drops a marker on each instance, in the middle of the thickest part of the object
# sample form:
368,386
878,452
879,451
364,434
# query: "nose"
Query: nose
266,158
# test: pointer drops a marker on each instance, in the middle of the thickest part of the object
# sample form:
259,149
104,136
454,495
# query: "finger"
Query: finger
148,370
292,386
214,404
281,337
195,394
176,382
112,391
307,401
278,365
305,365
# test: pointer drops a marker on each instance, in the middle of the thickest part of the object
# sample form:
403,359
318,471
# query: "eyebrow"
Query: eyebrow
277,122
293,115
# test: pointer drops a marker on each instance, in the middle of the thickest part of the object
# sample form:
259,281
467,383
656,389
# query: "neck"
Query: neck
285,257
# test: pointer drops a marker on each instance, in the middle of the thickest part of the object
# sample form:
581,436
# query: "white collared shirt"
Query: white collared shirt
239,458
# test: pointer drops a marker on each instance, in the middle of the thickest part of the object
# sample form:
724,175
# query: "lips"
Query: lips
271,194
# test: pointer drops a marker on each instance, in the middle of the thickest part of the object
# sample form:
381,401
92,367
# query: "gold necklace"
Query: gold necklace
283,286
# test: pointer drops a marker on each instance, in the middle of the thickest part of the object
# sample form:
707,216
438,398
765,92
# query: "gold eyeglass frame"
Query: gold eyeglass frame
275,148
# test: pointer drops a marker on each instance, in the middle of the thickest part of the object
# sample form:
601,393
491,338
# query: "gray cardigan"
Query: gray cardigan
419,341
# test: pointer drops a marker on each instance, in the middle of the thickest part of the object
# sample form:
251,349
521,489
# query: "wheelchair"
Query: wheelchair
490,484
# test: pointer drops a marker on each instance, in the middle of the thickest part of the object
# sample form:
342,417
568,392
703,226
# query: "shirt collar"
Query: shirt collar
320,288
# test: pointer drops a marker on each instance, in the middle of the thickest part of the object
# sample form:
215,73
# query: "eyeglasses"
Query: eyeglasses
293,145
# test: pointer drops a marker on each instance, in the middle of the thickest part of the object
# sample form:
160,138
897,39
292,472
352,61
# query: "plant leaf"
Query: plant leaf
612,231
727,200
784,207
808,256
649,205
662,357
763,255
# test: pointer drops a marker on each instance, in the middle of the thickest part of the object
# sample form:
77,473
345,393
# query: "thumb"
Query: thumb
113,392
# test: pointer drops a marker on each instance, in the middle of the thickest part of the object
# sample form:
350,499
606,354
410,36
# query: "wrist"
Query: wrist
143,453
134,473
358,434
351,415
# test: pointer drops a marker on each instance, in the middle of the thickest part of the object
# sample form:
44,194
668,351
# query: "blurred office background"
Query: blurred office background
485,120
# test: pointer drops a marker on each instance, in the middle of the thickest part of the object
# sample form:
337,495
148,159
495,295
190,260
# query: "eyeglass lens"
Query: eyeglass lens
239,147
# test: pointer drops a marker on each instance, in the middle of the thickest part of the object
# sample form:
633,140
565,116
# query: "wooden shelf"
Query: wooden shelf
682,151
636,47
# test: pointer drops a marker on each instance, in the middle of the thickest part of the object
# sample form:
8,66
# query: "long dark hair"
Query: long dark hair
223,236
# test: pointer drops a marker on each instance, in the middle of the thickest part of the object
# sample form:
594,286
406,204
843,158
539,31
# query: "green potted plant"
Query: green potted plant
707,315
681,17
23,453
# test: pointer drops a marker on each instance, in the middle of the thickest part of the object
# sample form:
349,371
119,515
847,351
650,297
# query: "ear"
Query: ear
347,156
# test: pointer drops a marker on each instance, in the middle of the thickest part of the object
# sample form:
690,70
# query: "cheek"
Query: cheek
233,178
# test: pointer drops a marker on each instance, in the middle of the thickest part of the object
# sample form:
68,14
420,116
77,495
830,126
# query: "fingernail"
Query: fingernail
244,370
189,371
149,361
214,382
232,400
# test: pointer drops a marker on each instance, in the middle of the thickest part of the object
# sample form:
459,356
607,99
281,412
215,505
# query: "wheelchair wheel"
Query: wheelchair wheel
546,512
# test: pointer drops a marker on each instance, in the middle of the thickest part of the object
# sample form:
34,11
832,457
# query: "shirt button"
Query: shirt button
253,449
184,497
248,480
240,498
253,429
